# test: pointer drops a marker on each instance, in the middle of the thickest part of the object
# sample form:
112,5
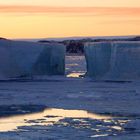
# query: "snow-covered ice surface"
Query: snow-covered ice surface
67,108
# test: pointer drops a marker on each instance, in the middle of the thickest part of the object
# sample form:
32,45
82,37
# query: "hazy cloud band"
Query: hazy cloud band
70,10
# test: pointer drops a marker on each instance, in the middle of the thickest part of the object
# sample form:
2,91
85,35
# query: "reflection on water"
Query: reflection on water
117,127
47,117
75,74
101,135
73,64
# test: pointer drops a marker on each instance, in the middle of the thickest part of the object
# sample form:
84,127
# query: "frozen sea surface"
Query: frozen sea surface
69,107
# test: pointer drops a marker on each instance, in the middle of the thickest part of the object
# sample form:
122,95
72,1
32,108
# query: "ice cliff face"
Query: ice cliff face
19,59
113,61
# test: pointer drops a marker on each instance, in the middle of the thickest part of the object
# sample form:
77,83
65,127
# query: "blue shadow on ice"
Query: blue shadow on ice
21,59
113,61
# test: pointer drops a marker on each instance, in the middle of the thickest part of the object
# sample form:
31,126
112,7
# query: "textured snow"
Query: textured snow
118,100
114,61
19,59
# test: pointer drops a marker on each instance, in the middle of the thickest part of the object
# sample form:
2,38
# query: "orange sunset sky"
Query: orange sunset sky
66,18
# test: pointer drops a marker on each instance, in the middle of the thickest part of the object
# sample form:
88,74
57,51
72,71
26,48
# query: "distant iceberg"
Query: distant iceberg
113,61
21,59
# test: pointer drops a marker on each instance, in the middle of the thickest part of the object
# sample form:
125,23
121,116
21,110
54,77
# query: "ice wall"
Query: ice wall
51,60
20,59
113,61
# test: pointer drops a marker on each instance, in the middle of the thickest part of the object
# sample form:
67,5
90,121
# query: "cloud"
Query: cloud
130,11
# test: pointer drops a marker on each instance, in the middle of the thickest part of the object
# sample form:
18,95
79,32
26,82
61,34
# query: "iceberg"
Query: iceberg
22,59
113,61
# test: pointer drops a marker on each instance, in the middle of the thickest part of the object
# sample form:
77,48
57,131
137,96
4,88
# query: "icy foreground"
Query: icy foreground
22,59
62,108
115,61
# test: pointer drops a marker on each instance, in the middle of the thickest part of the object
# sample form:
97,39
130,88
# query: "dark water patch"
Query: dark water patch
117,81
29,80
110,81
12,110
120,115
50,116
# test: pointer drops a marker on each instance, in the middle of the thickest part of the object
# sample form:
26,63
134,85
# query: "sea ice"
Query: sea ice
114,61
20,58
